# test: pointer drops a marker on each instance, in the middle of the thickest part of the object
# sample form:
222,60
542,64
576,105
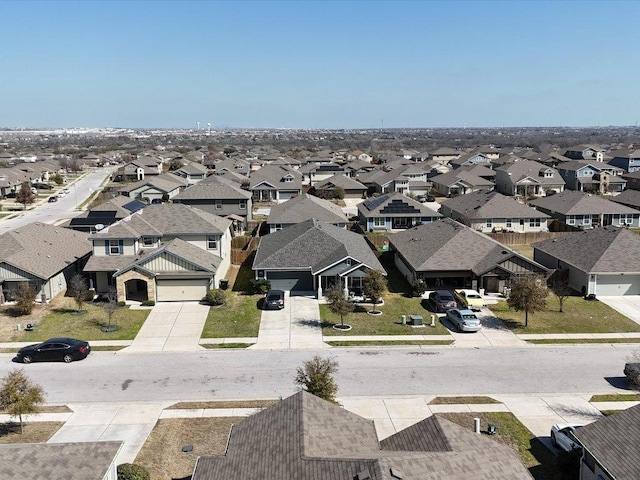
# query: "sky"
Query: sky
318,64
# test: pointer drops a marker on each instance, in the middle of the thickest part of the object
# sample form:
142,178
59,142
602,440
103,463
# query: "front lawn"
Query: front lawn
579,316
240,317
389,323
65,321
34,432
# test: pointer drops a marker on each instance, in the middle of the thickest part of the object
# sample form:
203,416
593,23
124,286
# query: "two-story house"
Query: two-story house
166,252
628,160
588,176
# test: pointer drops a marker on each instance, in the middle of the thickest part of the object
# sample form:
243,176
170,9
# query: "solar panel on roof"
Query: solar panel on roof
399,206
375,202
134,205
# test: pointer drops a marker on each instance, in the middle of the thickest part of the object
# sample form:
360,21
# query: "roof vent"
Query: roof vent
395,473
363,475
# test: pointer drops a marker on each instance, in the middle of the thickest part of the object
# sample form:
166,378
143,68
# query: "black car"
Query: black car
42,186
274,299
52,199
11,195
55,350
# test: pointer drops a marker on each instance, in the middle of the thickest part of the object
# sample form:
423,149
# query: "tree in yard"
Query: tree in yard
338,304
559,285
175,164
57,179
374,285
316,377
19,396
111,306
528,294
25,196
24,297
79,289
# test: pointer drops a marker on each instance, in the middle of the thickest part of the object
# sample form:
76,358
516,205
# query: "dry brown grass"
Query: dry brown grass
35,432
224,404
162,452
462,400
49,409
8,318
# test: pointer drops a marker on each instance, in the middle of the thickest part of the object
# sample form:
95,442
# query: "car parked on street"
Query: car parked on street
469,299
562,436
274,300
52,199
464,320
442,300
55,350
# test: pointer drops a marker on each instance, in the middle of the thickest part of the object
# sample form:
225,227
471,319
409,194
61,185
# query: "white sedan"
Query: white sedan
562,436
464,320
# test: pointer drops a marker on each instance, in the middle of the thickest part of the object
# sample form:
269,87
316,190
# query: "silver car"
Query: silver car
464,320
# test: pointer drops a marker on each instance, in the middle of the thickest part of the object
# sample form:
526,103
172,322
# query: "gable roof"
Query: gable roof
43,250
461,175
446,245
394,204
308,438
57,461
303,207
600,250
614,442
274,175
521,169
165,182
341,181
630,198
480,205
312,246
213,188
573,202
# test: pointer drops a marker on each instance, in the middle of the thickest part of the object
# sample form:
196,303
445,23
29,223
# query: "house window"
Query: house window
570,220
507,222
243,205
260,273
348,261
148,242
288,179
212,243
379,222
277,226
534,222
489,223
114,247
548,173
218,204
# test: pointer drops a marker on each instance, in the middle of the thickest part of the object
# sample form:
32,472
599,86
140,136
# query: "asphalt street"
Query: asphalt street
246,374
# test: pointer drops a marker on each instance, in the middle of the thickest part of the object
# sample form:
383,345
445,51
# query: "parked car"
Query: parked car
156,201
66,190
464,320
274,300
442,300
55,349
43,186
52,199
469,299
61,194
562,436
11,195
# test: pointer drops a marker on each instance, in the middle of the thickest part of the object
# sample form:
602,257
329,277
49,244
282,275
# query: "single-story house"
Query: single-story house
44,256
193,172
460,182
602,261
493,212
305,437
629,198
160,187
304,207
393,211
351,188
312,256
526,178
453,254
275,183
584,210
165,252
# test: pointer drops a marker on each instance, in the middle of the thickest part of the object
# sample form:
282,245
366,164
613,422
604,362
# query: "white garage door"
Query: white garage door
182,290
615,285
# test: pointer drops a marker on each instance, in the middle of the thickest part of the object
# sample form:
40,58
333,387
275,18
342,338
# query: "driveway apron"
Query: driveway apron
171,327
493,334
297,325
627,305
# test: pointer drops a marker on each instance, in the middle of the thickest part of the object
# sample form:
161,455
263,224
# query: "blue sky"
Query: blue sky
328,64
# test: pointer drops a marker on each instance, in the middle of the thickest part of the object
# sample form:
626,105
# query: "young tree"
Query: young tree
25,296
316,377
57,179
110,307
19,396
79,289
374,285
528,294
25,196
338,304
559,284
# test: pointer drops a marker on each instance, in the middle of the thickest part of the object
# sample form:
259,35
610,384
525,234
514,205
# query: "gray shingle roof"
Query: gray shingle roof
274,175
446,245
307,438
601,250
57,461
43,250
455,176
572,202
529,168
630,198
213,187
380,206
341,181
304,207
479,205
165,182
312,246
615,442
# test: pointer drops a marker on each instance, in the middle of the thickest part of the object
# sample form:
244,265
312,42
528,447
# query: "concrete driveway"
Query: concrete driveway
493,334
627,305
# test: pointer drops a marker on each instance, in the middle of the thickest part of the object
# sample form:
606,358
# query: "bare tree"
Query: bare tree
528,294
316,377
19,396
79,289
110,307
559,284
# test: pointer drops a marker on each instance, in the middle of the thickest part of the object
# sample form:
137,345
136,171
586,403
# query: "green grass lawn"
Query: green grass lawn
616,397
389,323
66,322
462,400
578,316
390,343
240,317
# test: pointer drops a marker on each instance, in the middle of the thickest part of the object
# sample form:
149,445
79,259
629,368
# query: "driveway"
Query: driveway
627,305
493,333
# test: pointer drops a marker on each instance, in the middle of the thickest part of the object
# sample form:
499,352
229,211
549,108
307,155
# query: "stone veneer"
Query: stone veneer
130,275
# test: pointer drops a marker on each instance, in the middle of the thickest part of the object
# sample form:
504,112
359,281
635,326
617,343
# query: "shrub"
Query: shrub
260,285
148,303
632,372
57,179
418,287
216,297
131,471
25,296
122,304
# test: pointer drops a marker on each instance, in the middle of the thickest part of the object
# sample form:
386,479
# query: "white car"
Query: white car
464,320
562,436
61,194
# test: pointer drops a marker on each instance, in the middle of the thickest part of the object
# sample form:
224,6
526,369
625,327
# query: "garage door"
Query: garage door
287,194
615,285
292,281
182,290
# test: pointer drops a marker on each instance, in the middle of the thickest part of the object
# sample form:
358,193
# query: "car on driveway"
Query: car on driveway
464,320
55,350
469,299
562,436
274,300
442,300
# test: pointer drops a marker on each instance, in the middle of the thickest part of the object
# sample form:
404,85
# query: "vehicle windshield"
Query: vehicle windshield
473,295
273,297
446,298
469,317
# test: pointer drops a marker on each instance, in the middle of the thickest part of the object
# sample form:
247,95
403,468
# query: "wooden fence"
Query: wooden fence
242,248
524,238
